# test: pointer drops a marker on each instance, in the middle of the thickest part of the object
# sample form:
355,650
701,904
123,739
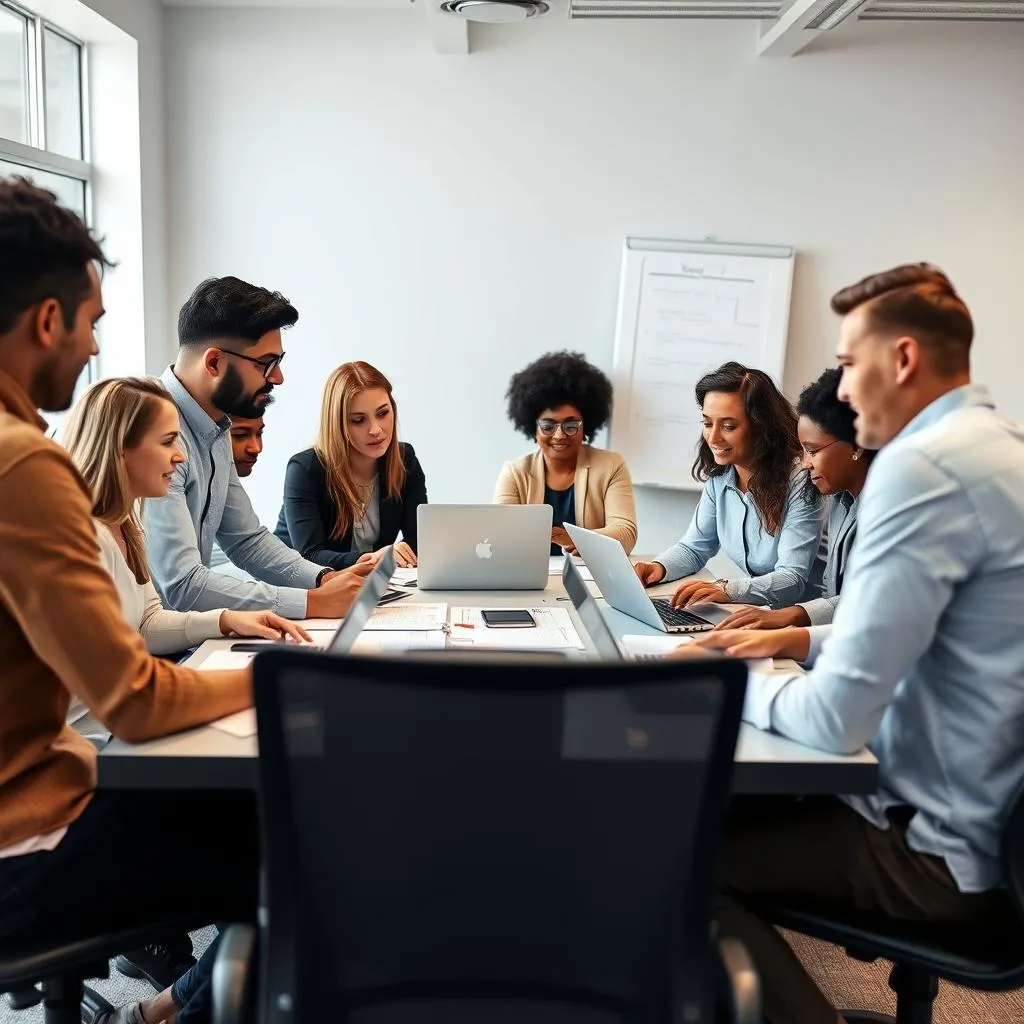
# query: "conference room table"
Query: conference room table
209,758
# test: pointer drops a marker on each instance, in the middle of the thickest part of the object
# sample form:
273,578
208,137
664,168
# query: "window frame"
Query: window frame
34,156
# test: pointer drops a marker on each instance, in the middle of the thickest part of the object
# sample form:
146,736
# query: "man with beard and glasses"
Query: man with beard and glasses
229,362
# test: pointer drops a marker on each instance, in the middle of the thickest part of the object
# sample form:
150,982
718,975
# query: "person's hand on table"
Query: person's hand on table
337,590
405,557
560,536
697,592
265,625
789,642
752,617
649,572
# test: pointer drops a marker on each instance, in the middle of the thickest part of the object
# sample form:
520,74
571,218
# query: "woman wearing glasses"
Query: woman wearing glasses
754,506
561,401
837,468
358,487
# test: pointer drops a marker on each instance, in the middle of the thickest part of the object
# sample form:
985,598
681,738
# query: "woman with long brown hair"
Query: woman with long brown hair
754,506
358,487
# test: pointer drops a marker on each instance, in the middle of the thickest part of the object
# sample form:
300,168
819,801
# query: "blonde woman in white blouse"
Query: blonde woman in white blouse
123,437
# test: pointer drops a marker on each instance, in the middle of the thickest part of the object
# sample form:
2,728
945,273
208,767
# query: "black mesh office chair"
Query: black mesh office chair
991,959
450,841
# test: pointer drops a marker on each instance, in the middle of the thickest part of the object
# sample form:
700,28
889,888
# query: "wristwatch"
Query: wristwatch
724,584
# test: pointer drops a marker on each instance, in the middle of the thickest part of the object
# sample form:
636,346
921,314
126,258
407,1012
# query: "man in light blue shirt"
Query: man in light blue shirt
229,362
924,661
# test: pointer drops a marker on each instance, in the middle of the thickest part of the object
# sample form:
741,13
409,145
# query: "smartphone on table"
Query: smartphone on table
507,618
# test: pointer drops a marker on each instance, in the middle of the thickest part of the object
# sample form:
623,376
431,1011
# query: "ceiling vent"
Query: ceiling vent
944,10
675,8
495,12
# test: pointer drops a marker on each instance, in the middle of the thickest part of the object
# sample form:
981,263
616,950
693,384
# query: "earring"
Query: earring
856,455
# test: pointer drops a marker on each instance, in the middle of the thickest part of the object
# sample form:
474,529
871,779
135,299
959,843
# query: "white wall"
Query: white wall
143,21
450,218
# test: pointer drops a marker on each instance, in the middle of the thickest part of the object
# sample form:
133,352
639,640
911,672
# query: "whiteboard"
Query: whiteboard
684,309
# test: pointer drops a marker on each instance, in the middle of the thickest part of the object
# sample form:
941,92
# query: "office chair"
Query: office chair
448,841
60,964
990,960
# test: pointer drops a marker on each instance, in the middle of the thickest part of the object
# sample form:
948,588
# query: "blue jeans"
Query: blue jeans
191,992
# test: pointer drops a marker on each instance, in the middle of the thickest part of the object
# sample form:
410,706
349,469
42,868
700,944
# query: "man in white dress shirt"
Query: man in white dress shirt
924,662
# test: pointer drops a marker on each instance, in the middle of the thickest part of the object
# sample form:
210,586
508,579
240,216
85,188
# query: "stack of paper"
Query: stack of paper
395,640
403,576
411,616
554,631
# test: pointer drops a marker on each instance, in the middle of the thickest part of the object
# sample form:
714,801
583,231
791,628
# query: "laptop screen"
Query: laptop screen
590,612
363,606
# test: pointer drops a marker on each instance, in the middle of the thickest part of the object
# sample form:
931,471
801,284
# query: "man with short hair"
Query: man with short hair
924,662
75,860
246,442
228,364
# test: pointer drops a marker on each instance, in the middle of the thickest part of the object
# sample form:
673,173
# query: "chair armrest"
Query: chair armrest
744,983
233,971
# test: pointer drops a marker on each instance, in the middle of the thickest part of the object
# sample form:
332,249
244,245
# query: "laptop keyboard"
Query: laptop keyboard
675,617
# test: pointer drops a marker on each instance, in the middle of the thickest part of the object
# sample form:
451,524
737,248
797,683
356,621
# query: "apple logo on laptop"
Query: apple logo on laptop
483,549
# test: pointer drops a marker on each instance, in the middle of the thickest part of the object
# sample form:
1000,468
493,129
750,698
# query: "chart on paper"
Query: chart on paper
681,314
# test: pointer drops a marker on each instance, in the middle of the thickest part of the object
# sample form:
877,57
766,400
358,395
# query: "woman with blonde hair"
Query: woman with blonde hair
358,487
123,437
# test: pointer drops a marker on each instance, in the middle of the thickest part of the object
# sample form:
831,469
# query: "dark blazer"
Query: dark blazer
308,514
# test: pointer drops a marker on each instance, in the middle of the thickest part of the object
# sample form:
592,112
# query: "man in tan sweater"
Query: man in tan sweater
74,860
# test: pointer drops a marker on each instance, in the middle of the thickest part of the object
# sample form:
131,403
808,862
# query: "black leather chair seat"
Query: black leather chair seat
988,960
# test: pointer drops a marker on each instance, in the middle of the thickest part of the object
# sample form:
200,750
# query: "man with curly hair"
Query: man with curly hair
561,401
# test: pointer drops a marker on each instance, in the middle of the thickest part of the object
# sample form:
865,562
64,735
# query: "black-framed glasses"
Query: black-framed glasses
550,427
268,365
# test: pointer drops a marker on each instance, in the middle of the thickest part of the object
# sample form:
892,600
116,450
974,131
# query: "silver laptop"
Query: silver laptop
363,607
621,587
608,646
483,547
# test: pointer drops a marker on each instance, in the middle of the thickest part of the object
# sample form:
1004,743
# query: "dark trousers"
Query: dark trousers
819,853
133,858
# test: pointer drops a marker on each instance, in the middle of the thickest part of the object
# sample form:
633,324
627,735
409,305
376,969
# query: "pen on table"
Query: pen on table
464,625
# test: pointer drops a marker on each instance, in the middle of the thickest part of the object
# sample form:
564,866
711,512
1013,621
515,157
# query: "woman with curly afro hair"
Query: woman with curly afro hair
561,401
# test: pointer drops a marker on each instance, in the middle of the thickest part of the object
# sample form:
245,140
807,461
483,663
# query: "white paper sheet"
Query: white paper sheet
643,645
554,631
555,567
241,724
403,576
409,615
217,661
390,641
311,624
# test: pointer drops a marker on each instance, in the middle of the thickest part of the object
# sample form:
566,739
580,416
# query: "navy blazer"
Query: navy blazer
308,514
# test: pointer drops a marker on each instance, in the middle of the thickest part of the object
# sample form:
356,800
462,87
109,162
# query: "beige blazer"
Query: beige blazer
604,491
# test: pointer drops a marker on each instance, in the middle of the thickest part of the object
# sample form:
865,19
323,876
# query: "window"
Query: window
42,110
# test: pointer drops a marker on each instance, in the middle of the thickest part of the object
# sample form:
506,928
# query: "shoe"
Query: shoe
95,1009
161,964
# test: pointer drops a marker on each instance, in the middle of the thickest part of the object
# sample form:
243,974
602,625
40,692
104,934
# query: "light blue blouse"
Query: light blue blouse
778,566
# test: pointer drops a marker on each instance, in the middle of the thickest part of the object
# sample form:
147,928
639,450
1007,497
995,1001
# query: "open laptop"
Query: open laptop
483,547
606,643
363,606
621,587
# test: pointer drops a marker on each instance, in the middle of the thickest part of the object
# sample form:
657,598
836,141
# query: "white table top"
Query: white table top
208,758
